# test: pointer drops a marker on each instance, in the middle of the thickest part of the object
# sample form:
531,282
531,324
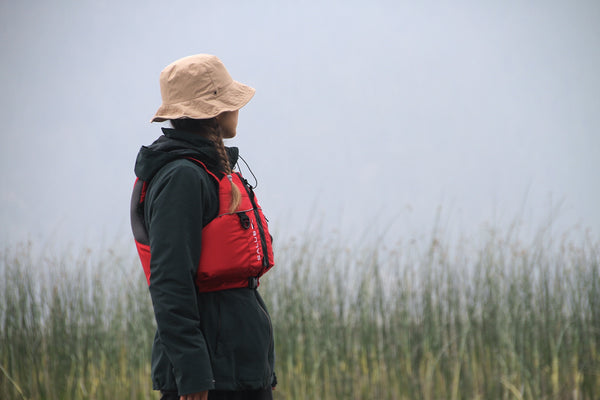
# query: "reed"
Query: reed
488,317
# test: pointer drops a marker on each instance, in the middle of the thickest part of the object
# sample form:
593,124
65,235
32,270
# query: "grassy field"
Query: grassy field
488,317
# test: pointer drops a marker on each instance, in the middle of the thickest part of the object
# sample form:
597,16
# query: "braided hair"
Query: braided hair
211,129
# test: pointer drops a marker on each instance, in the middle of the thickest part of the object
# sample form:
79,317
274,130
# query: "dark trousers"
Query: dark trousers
260,394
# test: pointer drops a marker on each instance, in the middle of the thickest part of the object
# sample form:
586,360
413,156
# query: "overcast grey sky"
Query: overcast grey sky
368,115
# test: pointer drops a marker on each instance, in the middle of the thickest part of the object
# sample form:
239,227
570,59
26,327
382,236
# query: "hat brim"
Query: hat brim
234,97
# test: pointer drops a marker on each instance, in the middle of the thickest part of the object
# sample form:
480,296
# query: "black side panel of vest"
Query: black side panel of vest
138,221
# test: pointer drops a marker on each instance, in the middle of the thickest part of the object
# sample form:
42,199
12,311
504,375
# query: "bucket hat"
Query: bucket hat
199,87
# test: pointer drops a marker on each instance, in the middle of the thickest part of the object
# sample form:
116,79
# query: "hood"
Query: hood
175,144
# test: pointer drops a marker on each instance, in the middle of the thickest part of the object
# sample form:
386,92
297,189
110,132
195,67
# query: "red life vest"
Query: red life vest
236,247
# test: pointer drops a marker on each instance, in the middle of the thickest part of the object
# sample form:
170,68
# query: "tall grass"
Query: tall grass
73,327
487,317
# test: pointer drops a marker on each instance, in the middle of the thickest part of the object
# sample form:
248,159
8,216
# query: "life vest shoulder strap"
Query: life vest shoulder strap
203,166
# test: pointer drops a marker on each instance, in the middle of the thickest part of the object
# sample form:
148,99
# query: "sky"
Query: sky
370,118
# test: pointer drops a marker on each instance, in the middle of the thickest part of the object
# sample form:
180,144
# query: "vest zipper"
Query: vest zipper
261,229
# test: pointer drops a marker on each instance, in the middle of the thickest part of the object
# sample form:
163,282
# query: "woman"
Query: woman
203,242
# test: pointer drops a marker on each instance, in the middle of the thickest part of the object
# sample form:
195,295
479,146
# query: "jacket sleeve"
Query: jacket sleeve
174,210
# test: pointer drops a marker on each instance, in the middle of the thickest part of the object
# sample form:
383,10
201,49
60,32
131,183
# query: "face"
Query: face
228,121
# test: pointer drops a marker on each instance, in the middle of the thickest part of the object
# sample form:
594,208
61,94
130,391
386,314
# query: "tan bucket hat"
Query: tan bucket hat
199,87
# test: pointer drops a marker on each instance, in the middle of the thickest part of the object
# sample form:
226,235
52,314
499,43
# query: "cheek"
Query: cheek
229,130
233,122
231,127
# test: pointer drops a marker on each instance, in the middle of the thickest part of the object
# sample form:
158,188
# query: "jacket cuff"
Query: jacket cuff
190,384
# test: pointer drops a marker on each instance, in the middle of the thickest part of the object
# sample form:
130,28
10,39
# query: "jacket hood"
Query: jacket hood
175,144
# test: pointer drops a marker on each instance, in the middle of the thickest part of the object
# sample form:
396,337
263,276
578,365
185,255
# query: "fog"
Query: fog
370,118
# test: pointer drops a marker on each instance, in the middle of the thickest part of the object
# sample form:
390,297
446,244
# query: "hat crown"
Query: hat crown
201,76
199,87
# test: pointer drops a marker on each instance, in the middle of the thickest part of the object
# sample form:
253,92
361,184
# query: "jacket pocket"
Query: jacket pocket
244,341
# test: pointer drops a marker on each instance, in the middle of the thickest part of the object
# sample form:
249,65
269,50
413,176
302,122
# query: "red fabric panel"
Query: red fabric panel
144,253
231,253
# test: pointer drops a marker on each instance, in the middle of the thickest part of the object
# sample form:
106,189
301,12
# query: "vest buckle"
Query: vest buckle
253,282
244,219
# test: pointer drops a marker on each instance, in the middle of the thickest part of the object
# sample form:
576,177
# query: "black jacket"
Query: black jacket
218,340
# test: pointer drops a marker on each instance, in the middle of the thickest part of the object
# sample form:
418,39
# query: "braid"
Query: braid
217,139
